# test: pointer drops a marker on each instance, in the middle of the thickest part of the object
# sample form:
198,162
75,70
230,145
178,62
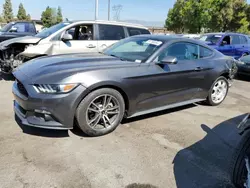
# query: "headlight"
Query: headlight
54,88
240,62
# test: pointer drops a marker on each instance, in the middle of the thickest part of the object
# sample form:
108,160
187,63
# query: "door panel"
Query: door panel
102,44
169,84
228,48
78,46
83,41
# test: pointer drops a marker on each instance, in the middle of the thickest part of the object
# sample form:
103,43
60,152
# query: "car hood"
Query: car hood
26,40
62,66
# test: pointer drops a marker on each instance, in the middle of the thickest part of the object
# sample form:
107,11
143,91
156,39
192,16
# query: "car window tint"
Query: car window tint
31,27
136,31
182,51
20,27
235,39
81,32
243,40
205,52
132,45
111,32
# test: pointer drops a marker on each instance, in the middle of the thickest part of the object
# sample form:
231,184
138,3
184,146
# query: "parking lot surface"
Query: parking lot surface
184,147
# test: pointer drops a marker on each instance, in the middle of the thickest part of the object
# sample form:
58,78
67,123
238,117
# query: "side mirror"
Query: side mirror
13,29
223,43
67,37
169,60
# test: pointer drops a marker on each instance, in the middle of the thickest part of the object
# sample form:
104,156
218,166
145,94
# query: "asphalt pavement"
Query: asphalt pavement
184,147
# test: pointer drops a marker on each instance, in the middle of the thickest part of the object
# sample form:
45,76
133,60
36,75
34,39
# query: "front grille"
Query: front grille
22,89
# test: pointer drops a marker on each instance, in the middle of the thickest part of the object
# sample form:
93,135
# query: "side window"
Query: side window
243,40
137,31
235,39
81,32
226,40
205,52
31,28
111,32
182,51
20,27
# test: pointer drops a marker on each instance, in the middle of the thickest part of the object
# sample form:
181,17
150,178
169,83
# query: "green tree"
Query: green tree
175,19
197,15
222,15
7,11
47,17
21,15
28,18
59,15
239,21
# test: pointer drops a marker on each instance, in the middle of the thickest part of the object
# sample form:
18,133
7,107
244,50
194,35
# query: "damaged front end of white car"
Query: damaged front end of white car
15,52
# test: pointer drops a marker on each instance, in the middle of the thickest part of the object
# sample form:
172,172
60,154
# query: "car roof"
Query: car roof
108,22
226,33
167,38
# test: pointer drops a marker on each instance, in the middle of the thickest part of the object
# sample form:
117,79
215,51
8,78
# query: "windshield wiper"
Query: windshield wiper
117,57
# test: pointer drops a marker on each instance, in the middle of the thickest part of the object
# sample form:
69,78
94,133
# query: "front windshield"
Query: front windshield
47,32
211,38
7,27
137,49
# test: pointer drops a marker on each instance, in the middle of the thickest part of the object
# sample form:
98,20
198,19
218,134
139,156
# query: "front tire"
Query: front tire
238,165
100,112
218,91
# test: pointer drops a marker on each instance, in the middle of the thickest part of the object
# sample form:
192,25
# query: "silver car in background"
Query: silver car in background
65,38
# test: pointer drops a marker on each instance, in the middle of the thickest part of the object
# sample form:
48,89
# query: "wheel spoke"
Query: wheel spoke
108,101
94,120
93,110
113,113
105,117
104,100
97,121
95,105
112,108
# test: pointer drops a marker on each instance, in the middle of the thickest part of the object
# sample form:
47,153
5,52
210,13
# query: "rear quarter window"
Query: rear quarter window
205,52
137,31
111,32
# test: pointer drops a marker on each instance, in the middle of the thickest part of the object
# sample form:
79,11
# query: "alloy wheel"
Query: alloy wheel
103,111
219,91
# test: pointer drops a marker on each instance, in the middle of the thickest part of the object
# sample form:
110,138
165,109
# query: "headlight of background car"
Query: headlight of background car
240,62
54,88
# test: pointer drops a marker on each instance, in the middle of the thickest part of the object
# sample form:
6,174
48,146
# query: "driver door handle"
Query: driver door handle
91,46
198,69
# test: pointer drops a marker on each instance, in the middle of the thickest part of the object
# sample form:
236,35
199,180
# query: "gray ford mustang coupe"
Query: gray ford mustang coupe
138,75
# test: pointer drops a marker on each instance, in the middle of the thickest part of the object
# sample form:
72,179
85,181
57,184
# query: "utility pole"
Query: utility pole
96,9
108,9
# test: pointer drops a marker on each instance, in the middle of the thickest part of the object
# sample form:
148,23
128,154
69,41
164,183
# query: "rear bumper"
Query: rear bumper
47,111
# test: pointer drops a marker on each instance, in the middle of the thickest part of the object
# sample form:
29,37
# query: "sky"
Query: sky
147,10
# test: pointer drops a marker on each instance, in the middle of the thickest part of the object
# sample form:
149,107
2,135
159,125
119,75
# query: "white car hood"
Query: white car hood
25,40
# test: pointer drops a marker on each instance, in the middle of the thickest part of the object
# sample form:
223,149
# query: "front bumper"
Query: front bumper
46,110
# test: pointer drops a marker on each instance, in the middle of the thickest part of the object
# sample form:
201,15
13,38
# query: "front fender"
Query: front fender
244,124
37,50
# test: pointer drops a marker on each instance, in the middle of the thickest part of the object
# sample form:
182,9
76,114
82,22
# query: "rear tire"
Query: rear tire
100,112
216,86
238,165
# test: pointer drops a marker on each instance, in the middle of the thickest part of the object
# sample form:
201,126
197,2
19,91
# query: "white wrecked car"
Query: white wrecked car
63,38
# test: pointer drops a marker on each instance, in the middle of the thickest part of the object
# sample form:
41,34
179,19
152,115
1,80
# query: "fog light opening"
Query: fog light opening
42,111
